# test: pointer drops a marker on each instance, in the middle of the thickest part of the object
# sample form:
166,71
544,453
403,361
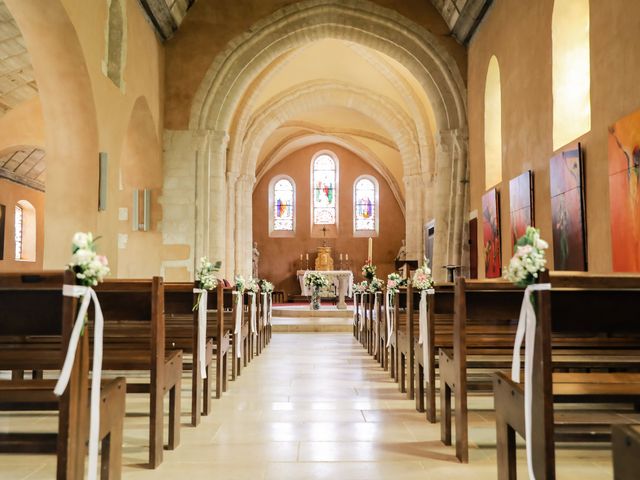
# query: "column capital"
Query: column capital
212,138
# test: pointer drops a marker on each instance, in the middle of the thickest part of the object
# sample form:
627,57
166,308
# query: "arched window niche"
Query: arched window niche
324,194
571,71
282,206
25,232
493,125
366,210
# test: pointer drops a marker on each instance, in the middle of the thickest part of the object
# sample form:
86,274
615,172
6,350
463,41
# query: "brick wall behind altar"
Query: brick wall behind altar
278,255
519,35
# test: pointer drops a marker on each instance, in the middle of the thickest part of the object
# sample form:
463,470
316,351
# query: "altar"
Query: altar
342,279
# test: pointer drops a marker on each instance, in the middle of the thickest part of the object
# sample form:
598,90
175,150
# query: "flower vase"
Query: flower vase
315,299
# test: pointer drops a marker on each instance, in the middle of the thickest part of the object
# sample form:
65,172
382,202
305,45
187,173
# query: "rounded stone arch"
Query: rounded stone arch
315,95
70,121
304,139
360,21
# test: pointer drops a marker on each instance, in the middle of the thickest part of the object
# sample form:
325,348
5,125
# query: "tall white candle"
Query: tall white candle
370,255
307,256
340,257
347,258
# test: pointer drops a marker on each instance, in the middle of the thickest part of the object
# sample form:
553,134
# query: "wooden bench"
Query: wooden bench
134,339
32,306
181,323
439,321
240,342
406,332
625,441
599,311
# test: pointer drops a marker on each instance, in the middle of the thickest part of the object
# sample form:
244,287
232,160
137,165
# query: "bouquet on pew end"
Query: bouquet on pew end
252,285
375,285
88,267
361,287
206,277
422,279
528,260
265,286
394,282
240,283
369,271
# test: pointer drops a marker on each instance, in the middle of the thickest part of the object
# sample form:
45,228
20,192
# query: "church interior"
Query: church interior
312,239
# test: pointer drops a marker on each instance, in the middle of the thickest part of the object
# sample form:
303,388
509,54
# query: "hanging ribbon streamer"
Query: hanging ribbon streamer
374,314
253,309
202,329
270,315
87,294
423,338
390,319
362,314
527,332
238,327
265,308
355,308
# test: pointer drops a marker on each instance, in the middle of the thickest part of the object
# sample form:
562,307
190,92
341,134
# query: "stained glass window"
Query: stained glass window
365,205
283,205
324,190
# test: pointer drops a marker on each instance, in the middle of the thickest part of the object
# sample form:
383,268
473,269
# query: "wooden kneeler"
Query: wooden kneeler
33,306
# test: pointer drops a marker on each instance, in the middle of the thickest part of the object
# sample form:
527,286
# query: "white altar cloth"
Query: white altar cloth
344,288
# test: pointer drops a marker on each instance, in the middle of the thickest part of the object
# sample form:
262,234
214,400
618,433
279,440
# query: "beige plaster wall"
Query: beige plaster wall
519,34
215,24
278,255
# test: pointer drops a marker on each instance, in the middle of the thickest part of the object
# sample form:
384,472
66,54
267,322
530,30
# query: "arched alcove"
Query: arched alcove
571,71
493,125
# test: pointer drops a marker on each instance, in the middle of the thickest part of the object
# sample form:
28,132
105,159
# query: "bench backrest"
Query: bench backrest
33,305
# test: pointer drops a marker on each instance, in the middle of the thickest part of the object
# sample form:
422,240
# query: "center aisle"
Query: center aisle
316,406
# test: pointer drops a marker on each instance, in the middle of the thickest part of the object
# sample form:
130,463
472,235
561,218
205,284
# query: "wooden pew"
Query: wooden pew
600,314
625,441
182,333
440,326
134,339
239,339
406,331
32,306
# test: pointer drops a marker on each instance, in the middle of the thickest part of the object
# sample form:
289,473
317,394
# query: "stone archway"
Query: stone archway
233,74
70,122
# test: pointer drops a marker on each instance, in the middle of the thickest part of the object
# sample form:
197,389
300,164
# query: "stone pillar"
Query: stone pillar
244,224
414,215
230,231
217,205
451,201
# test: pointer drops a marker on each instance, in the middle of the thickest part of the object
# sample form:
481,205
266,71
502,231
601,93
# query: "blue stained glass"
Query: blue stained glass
283,205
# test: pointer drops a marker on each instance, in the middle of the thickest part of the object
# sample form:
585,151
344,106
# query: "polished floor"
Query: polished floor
312,406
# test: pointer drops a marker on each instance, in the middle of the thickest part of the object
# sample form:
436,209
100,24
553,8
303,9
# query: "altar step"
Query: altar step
300,318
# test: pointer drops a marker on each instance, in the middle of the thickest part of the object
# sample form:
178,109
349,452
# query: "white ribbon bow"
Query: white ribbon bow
390,318
238,327
423,337
254,325
202,329
87,294
527,332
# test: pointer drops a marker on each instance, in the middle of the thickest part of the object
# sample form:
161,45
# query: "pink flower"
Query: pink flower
103,260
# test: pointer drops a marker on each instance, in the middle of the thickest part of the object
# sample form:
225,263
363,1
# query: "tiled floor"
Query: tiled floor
313,406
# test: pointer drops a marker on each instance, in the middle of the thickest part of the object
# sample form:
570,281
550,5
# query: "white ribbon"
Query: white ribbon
270,314
423,337
254,325
361,310
238,327
355,308
265,307
374,314
87,294
527,332
390,319
202,329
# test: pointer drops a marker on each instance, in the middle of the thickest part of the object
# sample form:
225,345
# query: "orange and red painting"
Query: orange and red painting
491,234
520,205
624,193
567,210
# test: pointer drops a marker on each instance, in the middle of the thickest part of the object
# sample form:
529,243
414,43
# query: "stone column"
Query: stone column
244,224
230,231
414,215
217,204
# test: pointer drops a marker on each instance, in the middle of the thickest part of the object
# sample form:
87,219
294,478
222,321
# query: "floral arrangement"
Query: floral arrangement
422,279
394,282
265,286
316,280
206,274
252,285
361,287
240,283
369,271
528,260
89,267
375,285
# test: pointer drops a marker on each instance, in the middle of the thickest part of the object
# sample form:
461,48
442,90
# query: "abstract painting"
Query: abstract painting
567,210
624,193
491,233
520,205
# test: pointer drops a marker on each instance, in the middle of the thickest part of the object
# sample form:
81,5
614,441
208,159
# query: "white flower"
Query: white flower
82,240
